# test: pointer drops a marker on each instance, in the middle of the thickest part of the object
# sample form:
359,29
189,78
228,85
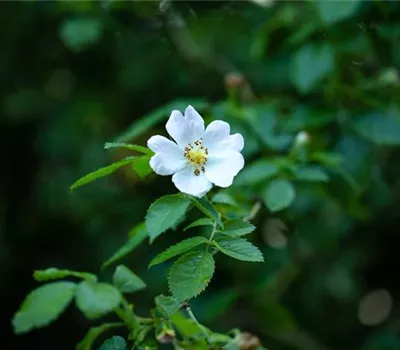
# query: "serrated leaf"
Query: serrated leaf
94,175
199,222
43,305
97,299
310,65
136,148
278,194
236,227
224,198
312,174
53,273
207,208
257,172
141,166
137,236
164,213
141,125
380,128
126,280
87,342
190,275
239,248
114,343
335,11
178,249
169,305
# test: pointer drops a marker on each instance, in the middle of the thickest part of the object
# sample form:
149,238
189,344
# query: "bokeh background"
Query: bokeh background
75,74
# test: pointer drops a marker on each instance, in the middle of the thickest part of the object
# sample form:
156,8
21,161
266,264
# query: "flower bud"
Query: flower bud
302,139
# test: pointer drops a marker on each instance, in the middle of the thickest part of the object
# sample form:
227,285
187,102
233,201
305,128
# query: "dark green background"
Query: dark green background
74,75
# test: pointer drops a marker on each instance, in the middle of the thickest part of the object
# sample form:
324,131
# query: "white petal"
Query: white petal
187,182
216,131
162,144
167,163
233,142
185,129
220,169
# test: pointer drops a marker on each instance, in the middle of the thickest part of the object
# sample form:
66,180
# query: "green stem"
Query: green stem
193,317
213,231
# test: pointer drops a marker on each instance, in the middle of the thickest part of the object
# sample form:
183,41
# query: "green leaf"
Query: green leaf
136,148
114,343
335,11
257,172
142,125
94,175
97,299
380,128
79,33
126,280
53,273
239,248
43,305
310,65
199,222
141,166
190,275
279,194
87,342
224,198
164,213
311,173
236,227
169,305
187,327
178,249
137,236
207,208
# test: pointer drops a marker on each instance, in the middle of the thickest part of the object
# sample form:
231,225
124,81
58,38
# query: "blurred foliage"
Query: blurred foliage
75,74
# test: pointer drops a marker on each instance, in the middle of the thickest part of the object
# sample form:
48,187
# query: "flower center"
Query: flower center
196,155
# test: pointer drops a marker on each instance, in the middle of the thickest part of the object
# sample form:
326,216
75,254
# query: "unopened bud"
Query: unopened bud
302,138
166,335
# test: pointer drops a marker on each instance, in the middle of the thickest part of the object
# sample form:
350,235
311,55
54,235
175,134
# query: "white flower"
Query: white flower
200,157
